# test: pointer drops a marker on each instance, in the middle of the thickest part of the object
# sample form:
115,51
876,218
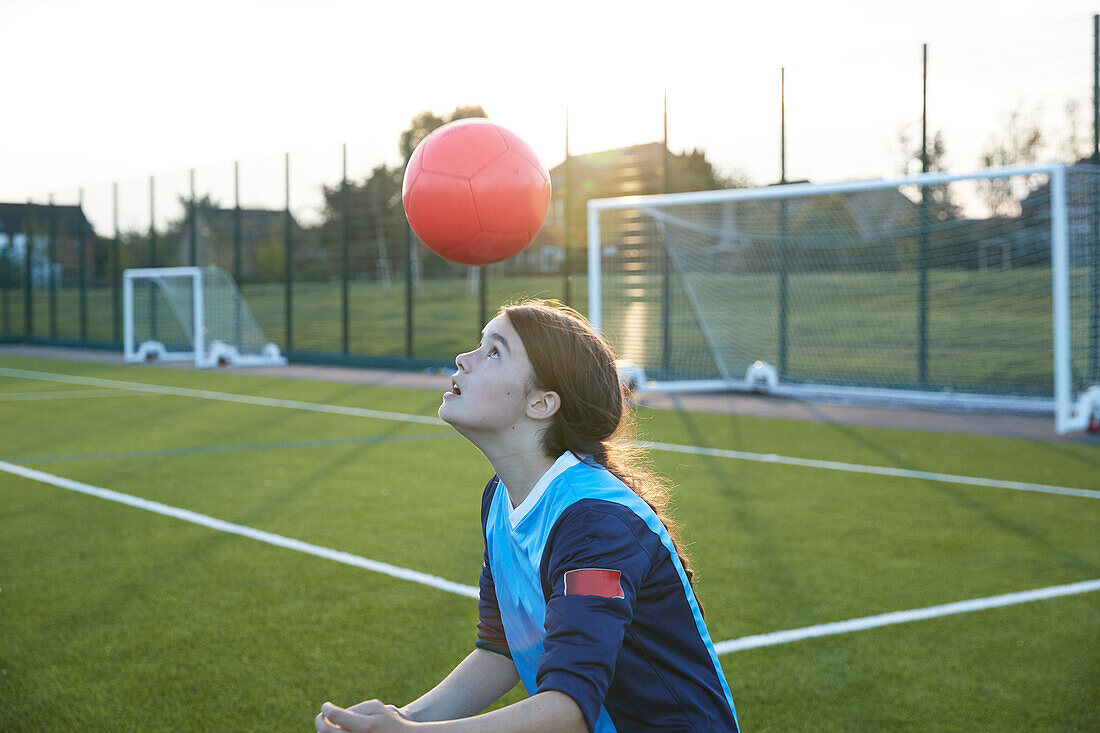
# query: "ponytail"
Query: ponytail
568,357
622,457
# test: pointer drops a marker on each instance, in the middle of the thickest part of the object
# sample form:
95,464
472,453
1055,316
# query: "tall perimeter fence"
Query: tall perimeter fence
319,246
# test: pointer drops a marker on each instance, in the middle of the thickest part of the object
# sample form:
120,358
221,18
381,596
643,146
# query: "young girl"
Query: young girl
585,597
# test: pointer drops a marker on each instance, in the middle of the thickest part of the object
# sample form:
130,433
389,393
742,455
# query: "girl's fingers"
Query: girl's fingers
323,725
361,717
341,719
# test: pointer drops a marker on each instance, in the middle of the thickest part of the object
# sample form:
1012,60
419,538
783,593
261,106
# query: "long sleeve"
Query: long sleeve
594,567
490,628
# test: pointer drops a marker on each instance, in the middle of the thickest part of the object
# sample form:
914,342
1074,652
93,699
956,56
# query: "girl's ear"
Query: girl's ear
543,405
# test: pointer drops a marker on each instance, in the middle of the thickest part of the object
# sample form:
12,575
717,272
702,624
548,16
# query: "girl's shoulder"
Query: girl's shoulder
595,503
593,533
588,480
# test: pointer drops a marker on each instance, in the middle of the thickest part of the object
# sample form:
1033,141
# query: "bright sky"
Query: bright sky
119,89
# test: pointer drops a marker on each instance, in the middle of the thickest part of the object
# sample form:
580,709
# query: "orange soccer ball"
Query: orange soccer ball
474,192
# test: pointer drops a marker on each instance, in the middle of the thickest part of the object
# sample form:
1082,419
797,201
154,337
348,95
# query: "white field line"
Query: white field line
670,447
433,581
901,617
878,470
221,396
220,525
66,395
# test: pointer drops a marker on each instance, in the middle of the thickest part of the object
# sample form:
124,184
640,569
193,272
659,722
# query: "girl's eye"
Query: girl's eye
493,352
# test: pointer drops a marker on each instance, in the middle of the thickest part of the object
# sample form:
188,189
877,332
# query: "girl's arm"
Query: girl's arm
546,712
475,684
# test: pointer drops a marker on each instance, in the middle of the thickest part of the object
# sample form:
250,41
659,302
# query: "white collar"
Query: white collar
565,461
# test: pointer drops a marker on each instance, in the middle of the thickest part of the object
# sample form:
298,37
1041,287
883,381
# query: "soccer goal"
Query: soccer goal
977,291
191,314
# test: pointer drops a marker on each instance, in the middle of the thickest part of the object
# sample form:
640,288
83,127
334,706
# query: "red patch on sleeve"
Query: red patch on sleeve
593,582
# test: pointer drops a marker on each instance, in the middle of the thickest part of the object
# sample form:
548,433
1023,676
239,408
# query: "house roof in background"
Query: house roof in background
15,218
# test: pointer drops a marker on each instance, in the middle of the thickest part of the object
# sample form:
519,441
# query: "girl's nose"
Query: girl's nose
459,361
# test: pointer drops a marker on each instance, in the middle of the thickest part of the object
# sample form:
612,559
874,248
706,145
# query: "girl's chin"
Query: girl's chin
447,412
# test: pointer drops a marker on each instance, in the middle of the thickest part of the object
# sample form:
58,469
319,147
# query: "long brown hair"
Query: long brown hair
569,358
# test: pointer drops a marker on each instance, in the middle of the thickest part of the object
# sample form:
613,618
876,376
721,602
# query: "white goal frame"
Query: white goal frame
205,355
1070,415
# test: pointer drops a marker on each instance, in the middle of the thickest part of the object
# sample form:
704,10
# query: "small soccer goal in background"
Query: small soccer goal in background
978,291
191,314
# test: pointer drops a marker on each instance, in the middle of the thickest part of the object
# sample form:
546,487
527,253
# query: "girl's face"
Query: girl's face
489,391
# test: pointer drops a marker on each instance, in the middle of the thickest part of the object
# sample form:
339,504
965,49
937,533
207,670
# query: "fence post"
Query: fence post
782,248
784,341
28,271
5,276
152,257
666,261
408,291
238,274
80,248
567,238
483,297
116,269
922,236
193,238
51,246
288,260
345,256
1094,259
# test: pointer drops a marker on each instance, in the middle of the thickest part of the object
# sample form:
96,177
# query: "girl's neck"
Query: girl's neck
520,470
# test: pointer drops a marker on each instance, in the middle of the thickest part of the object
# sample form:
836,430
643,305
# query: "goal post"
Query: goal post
191,314
974,291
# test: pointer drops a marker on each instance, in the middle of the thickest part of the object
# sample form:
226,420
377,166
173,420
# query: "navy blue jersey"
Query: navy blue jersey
583,589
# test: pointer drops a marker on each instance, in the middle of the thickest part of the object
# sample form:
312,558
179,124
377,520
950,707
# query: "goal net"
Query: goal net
191,314
977,291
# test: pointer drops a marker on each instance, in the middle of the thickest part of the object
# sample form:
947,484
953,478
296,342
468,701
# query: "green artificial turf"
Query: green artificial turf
115,618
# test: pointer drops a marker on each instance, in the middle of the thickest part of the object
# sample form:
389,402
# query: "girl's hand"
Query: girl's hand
371,716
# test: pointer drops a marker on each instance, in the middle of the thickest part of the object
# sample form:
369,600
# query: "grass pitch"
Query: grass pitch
114,618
